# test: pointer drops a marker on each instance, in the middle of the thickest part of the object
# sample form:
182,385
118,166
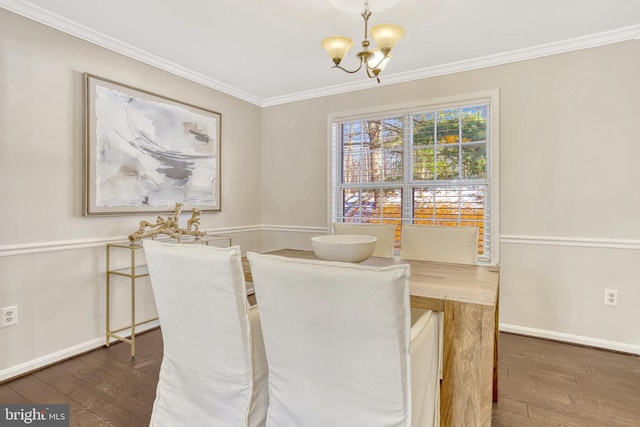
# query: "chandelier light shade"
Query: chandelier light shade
337,47
385,37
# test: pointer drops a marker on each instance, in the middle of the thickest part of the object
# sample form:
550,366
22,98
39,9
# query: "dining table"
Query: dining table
467,295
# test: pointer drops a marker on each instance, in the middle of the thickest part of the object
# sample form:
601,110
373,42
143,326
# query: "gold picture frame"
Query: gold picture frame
145,152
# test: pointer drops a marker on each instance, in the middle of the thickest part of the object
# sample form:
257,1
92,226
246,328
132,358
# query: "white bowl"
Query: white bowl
343,247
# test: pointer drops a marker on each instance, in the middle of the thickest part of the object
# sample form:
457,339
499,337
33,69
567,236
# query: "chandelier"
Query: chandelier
374,60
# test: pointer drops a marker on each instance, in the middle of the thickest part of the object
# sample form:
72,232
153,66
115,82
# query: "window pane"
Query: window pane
372,205
423,165
448,126
372,151
447,163
392,133
447,209
474,161
392,204
423,206
350,204
472,200
392,171
424,129
451,207
474,124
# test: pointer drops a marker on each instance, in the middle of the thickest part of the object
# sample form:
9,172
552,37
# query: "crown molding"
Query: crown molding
65,25
556,48
45,17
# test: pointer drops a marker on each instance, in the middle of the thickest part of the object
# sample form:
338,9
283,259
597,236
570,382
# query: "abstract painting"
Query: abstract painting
145,152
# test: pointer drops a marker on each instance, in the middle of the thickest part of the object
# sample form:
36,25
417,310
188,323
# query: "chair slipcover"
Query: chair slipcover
444,244
385,233
213,370
340,347
457,245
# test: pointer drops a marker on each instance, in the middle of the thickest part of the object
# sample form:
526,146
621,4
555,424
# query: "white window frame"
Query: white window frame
491,97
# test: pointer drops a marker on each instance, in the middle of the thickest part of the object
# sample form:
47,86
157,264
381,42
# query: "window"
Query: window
432,164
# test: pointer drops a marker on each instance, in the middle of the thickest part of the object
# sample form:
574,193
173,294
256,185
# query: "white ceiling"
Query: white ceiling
268,51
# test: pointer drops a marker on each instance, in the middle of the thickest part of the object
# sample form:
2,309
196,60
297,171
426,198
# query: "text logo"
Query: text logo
34,415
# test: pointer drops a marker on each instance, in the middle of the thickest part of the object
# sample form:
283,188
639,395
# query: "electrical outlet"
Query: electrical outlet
8,316
611,297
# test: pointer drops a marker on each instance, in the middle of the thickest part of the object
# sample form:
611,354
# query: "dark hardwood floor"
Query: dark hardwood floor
541,383
546,383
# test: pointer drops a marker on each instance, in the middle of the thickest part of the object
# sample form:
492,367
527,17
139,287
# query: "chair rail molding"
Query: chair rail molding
67,245
293,228
589,242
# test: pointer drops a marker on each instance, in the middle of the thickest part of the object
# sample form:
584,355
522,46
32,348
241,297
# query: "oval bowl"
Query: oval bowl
343,247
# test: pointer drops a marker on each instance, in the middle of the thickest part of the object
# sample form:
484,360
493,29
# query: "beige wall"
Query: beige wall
568,197
52,259
569,153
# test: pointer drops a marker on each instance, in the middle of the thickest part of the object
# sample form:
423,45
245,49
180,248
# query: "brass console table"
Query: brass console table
133,271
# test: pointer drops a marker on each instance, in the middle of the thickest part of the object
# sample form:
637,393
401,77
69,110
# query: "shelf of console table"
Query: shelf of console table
134,271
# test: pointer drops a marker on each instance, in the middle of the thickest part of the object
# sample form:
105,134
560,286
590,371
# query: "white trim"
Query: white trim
63,354
56,246
294,229
556,48
67,245
65,25
588,242
570,338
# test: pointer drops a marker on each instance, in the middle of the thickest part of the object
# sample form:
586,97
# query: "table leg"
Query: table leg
468,359
495,350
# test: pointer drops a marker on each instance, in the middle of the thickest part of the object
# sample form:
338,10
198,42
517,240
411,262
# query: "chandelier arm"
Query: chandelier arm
351,71
379,62
372,75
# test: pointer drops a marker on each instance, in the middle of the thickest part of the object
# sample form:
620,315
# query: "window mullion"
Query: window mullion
407,161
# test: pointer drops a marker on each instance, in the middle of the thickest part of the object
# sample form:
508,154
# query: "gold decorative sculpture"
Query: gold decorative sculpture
169,226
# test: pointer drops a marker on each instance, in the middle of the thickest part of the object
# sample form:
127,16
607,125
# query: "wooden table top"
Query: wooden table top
431,282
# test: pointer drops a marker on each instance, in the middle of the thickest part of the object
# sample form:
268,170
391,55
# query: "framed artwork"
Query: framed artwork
145,152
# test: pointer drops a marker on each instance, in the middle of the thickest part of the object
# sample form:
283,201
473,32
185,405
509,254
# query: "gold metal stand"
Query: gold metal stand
134,272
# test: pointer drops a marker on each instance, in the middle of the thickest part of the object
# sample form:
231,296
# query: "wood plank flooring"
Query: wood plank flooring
542,383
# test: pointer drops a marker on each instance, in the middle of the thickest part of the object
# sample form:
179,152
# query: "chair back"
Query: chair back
337,341
444,244
385,233
208,374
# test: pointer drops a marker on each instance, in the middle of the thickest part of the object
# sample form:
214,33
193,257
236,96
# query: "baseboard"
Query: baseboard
67,353
571,339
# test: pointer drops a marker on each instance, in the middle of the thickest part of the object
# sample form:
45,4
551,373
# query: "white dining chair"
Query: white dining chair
444,244
385,233
213,369
457,245
340,347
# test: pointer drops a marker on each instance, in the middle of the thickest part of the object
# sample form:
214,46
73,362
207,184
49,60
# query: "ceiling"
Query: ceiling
268,51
